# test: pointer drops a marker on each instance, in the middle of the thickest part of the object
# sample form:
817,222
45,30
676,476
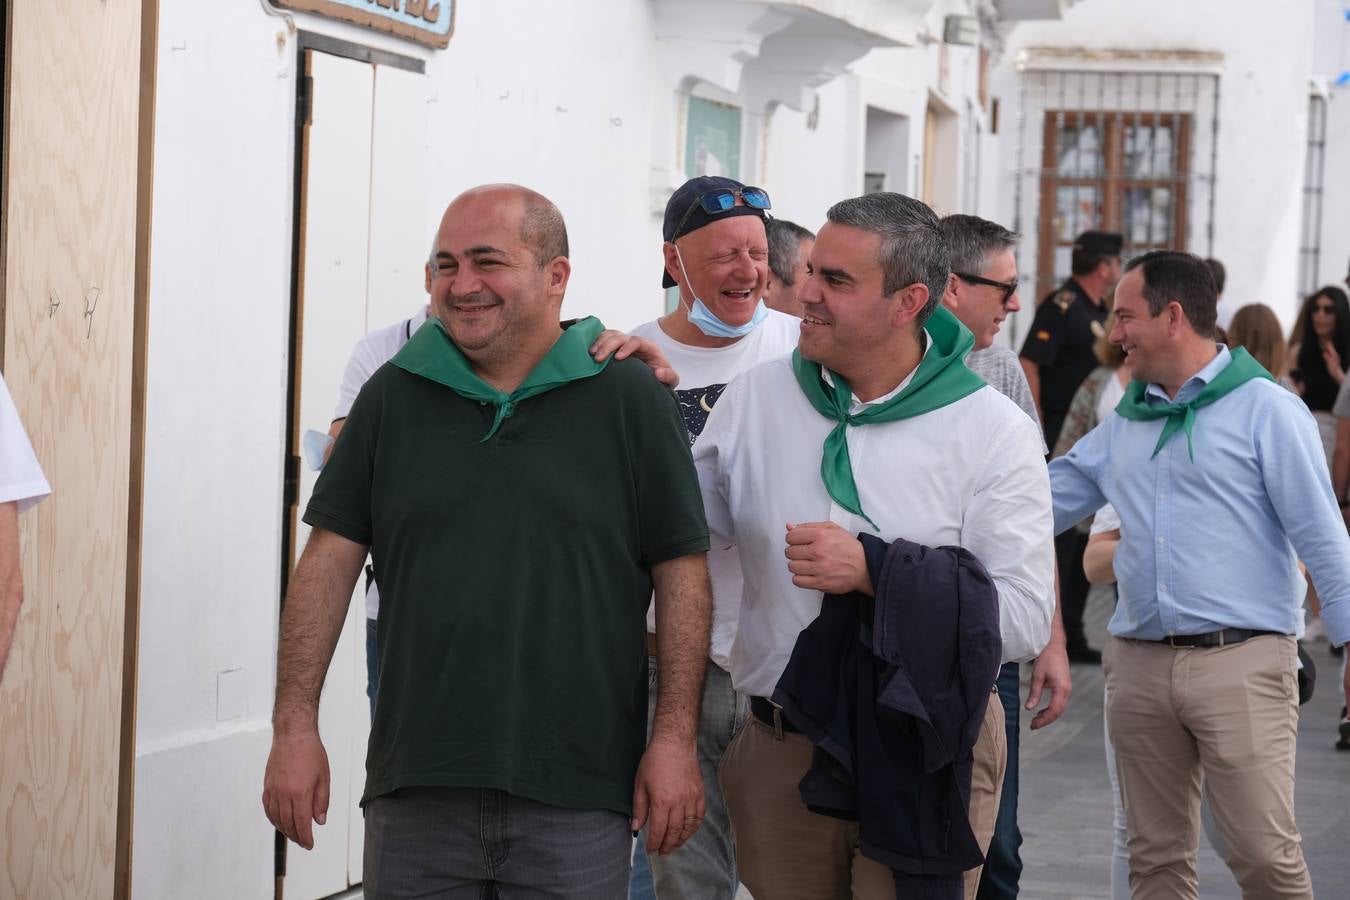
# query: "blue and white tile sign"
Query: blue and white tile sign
429,22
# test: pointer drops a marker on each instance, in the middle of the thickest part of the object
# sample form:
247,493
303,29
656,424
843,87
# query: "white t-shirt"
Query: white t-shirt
704,374
1110,396
371,352
21,477
1106,519
971,474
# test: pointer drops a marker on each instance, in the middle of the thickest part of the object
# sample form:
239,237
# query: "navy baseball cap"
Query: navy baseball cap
685,211
1099,243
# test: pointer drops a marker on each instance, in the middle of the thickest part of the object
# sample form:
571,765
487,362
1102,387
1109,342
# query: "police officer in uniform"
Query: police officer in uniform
1057,356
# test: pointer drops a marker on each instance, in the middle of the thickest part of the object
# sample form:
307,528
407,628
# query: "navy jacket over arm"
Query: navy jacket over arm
892,692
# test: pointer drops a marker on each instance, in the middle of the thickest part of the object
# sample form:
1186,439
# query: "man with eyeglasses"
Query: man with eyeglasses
716,255
1056,356
520,501
981,292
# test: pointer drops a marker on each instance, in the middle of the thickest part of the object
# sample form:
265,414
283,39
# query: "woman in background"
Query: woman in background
1320,361
1097,396
1321,358
1257,328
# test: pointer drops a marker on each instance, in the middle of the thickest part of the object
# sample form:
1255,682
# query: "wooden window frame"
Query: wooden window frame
1111,180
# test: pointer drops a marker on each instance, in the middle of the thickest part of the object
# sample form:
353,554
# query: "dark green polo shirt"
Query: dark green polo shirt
514,577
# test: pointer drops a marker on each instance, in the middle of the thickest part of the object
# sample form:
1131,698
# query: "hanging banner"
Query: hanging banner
428,22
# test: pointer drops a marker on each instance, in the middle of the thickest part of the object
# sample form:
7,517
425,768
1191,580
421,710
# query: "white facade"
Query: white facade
1263,59
596,105
587,103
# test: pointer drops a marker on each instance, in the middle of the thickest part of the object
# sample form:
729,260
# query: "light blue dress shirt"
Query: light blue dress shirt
1214,543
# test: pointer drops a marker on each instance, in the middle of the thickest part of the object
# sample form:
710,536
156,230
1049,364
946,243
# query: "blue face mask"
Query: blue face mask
703,319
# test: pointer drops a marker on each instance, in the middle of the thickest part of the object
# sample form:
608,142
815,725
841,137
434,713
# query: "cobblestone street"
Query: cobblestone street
1065,807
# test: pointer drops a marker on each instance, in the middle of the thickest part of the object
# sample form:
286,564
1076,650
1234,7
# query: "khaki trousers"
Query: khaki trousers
786,852
1231,713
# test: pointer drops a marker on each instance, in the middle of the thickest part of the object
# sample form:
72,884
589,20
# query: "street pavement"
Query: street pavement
1065,805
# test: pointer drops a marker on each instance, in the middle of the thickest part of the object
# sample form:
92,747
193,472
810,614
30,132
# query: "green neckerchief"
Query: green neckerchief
941,378
431,354
1181,416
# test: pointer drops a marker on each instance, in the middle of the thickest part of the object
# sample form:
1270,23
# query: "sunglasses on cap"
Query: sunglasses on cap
1008,287
719,200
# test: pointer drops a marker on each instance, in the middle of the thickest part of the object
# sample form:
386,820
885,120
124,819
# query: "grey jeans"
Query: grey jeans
704,868
472,844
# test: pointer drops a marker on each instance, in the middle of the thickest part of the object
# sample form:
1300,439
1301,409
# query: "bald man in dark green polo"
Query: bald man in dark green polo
520,501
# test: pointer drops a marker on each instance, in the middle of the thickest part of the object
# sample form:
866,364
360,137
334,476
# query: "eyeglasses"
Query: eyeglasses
719,200
1008,287
1319,308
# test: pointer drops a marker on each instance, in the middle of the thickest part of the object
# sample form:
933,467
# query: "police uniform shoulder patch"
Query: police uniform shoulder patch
1064,299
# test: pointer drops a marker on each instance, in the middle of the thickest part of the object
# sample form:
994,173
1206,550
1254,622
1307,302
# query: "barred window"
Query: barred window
1125,151
1310,240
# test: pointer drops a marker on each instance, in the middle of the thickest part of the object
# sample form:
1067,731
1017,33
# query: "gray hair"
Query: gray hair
973,242
913,249
785,244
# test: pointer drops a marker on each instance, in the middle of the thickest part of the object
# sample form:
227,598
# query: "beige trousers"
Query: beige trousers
786,852
1231,713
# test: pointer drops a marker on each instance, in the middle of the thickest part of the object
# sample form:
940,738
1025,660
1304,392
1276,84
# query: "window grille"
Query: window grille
1126,151
1310,239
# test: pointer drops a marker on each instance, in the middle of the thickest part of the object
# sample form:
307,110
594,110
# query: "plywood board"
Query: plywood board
69,311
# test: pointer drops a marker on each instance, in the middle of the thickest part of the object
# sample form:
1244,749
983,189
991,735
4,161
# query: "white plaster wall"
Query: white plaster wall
215,404
1332,61
564,98
1335,256
558,97
1267,49
808,170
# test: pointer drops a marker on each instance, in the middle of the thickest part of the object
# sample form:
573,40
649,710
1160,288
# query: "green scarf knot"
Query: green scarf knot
1181,416
940,379
433,355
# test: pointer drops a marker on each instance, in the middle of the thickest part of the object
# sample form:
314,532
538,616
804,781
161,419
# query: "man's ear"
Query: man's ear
671,261
952,298
559,270
1176,319
908,302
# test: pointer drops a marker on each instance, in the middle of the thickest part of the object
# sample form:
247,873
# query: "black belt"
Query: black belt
772,715
1221,638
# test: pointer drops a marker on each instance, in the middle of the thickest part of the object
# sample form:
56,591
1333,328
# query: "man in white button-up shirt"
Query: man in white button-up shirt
968,472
